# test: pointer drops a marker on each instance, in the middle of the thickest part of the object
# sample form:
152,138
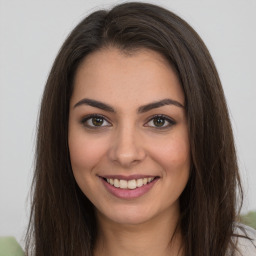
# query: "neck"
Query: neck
158,236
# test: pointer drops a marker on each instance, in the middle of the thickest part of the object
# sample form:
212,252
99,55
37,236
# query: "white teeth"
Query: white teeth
116,183
129,184
139,183
150,179
123,183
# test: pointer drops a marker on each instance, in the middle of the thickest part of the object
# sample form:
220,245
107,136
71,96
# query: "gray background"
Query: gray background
31,32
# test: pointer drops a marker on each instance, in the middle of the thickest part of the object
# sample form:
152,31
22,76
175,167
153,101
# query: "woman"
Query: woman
135,153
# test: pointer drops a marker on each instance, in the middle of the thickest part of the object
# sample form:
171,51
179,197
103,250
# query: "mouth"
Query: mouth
130,187
129,184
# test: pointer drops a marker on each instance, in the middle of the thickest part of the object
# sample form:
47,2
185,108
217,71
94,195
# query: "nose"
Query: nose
127,148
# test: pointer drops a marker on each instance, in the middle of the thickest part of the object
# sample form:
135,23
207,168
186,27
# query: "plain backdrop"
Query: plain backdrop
31,33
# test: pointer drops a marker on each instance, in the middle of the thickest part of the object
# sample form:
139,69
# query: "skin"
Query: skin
128,142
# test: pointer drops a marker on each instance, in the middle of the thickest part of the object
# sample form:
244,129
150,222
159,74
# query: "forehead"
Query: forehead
117,77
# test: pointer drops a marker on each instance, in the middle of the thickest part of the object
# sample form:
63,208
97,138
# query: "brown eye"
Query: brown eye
95,121
160,121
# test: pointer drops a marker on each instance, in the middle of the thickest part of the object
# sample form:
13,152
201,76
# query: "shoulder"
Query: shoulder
245,240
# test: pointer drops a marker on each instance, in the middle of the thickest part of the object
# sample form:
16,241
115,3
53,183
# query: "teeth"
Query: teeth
123,183
139,183
116,183
129,184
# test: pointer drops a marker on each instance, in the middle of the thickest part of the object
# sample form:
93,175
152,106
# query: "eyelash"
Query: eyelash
88,118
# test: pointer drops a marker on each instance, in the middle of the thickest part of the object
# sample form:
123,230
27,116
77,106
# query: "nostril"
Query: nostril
126,151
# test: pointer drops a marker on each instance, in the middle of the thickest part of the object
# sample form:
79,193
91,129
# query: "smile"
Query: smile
129,187
129,184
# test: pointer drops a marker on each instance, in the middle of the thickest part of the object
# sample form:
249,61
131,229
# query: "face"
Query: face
128,135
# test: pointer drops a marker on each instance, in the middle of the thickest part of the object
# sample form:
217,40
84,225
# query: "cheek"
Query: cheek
85,152
176,163
85,155
173,153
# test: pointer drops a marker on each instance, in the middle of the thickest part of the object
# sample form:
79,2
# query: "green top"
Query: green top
10,247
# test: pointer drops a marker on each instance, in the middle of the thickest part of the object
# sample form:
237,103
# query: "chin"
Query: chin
130,215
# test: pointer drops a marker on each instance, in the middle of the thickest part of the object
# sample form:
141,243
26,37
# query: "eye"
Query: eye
160,121
95,121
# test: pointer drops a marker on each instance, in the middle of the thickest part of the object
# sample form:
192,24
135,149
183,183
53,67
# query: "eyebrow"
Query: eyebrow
95,103
159,104
141,109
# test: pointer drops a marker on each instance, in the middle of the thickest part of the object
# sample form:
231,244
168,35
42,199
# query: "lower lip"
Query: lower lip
129,193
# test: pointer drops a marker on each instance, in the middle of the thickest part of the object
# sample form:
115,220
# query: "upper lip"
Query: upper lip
130,177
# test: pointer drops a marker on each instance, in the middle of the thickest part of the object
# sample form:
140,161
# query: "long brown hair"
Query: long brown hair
62,219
